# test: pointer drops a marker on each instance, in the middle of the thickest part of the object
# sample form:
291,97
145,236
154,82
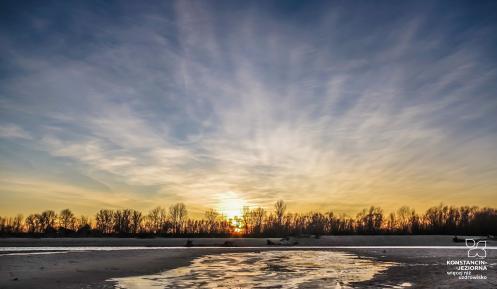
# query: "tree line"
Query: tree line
255,222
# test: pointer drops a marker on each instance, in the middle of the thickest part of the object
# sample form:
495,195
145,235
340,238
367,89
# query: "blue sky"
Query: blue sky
328,105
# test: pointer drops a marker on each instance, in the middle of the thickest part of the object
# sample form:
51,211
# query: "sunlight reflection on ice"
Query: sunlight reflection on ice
268,269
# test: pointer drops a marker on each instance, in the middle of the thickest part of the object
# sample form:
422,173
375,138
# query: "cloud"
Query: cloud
12,131
191,101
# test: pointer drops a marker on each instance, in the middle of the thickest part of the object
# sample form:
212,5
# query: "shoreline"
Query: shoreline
328,240
88,269
421,266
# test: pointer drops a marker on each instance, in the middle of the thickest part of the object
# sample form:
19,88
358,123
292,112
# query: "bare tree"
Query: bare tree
177,214
279,211
404,215
33,223
370,221
67,220
11,225
391,222
82,221
212,217
105,221
47,220
155,220
258,215
136,222
17,224
317,224
122,221
247,220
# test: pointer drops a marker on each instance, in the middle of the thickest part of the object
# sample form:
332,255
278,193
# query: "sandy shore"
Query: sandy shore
424,268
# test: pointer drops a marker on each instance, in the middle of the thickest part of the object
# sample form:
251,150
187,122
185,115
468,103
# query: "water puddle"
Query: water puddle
267,269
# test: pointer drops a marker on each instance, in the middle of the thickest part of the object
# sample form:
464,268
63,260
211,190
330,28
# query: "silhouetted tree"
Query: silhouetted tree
255,222
279,211
136,222
33,223
212,218
177,214
105,221
47,220
247,220
258,216
156,220
122,222
317,224
82,221
13,226
67,220
370,221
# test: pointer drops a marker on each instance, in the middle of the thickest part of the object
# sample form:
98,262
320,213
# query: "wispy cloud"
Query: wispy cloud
186,102
12,131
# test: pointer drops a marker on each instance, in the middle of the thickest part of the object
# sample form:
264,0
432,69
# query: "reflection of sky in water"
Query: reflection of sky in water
269,269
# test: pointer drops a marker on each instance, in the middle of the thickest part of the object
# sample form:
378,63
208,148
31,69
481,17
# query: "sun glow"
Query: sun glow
231,205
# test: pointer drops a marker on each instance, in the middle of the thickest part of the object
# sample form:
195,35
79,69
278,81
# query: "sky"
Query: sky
328,105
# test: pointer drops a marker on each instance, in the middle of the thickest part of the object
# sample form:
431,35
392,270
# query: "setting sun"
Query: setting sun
231,205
